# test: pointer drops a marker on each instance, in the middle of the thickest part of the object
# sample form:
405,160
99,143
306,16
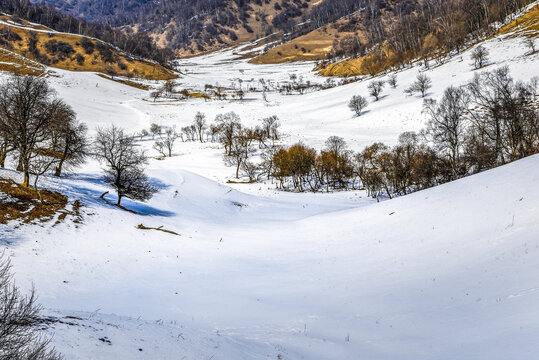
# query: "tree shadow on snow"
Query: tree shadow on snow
77,189
8,238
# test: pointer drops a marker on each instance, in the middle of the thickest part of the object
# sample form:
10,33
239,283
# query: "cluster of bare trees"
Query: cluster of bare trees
42,134
421,85
238,141
20,336
488,122
39,130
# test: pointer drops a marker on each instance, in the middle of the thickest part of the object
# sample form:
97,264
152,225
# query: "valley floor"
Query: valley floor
255,273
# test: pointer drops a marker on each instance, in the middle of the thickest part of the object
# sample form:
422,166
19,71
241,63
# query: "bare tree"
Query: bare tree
155,130
168,87
239,151
392,81
166,144
480,56
27,106
229,125
200,124
19,321
155,95
375,88
6,146
357,104
529,42
270,127
40,165
125,164
69,141
422,84
447,124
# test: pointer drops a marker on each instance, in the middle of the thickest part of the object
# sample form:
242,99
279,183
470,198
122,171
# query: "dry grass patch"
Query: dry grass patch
17,64
75,52
527,24
315,45
21,203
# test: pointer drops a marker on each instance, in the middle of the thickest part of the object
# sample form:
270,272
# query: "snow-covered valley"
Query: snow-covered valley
256,273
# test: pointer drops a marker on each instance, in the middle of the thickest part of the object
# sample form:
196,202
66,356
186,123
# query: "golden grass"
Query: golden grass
351,67
15,63
92,62
527,24
23,203
313,46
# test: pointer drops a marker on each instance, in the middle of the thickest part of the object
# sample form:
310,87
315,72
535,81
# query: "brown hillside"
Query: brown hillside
41,45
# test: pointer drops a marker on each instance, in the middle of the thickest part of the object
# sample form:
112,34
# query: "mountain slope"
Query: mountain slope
194,27
27,48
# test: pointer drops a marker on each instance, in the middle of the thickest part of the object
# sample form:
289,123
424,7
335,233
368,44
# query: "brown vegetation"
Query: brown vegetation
24,204
70,52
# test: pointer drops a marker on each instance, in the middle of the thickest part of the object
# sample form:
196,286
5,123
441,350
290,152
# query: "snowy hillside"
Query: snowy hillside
256,273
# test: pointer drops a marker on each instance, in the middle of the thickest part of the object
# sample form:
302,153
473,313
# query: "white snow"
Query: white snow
446,273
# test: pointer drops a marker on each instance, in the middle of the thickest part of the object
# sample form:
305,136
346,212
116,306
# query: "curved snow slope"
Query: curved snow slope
445,273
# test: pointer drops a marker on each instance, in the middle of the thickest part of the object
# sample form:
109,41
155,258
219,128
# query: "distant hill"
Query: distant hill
27,48
194,27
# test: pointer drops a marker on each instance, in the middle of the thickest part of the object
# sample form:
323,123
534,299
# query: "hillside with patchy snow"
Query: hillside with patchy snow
255,273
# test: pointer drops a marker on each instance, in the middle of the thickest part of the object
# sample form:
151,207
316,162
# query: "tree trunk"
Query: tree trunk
3,156
19,165
119,199
26,182
58,171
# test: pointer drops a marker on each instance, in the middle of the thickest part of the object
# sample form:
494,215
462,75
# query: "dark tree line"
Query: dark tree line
490,121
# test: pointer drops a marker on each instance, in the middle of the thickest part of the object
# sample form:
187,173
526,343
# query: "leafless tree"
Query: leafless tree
155,95
422,84
165,145
480,56
375,88
168,87
19,320
357,104
230,126
529,42
447,124
155,130
69,141
239,151
27,105
200,125
125,164
41,163
270,126
392,81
